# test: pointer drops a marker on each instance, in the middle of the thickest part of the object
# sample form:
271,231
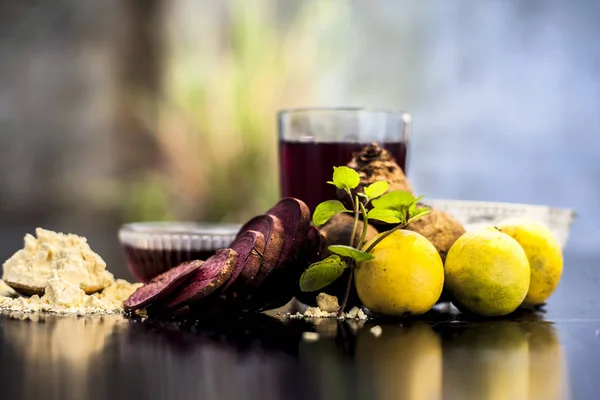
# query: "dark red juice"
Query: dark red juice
305,167
146,263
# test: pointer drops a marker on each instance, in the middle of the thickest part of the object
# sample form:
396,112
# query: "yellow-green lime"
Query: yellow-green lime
487,272
544,255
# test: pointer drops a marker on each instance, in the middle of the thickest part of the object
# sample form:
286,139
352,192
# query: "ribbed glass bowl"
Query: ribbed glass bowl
473,214
154,247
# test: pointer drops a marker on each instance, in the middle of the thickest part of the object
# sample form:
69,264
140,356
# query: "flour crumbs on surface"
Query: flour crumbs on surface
62,297
327,307
314,312
62,275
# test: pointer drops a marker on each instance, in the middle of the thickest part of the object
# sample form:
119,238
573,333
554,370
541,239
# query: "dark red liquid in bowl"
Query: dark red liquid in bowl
305,167
146,264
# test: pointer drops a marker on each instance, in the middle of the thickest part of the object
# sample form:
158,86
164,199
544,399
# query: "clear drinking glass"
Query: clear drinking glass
314,140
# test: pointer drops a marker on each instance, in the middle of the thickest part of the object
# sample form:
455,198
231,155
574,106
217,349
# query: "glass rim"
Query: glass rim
404,115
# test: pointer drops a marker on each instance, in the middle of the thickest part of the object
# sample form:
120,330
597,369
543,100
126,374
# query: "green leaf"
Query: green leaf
387,215
395,200
412,209
326,210
419,212
322,273
348,251
345,178
376,189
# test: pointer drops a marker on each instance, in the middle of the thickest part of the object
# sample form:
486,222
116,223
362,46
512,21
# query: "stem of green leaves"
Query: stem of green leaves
355,204
365,226
388,233
351,198
347,294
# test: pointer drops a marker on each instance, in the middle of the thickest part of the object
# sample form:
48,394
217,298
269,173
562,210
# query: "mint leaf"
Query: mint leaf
412,209
418,213
348,251
345,178
326,210
395,200
322,273
376,189
387,215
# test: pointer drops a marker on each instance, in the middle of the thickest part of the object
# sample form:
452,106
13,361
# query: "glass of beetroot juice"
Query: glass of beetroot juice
314,140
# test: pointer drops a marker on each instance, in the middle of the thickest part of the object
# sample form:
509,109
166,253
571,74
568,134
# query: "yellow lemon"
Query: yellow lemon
544,255
487,272
405,277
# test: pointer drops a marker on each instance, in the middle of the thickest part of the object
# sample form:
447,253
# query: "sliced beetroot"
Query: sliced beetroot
272,229
250,246
294,215
215,271
161,285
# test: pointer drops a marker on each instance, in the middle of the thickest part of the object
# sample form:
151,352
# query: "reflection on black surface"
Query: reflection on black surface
489,360
257,356
404,362
242,333
53,353
505,360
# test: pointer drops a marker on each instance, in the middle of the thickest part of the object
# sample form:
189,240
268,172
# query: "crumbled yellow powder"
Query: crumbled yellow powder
53,254
62,297
63,268
315,312
62,293
353,313
327,302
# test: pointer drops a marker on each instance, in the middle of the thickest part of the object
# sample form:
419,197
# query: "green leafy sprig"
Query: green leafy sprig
374,202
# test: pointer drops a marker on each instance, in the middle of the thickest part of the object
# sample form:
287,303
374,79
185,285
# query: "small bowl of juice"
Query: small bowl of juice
152,248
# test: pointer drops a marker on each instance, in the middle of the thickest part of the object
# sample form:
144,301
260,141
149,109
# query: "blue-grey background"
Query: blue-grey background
125,110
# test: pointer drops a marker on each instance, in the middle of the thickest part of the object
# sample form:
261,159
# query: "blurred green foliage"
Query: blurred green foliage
217,118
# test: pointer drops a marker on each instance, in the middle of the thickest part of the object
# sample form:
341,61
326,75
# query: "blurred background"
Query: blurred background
124,110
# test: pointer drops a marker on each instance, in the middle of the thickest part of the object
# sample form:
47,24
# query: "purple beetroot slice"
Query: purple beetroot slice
215,271
272,229
294,215
249,245
161,285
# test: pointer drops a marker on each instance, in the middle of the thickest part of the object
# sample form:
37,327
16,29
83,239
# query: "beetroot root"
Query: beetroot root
215,271
294,215
272,229
161,285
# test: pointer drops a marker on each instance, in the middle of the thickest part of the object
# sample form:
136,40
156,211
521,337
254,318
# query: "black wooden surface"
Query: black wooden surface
543,355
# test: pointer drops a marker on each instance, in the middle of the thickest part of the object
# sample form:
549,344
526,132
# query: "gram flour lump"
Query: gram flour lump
61,274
